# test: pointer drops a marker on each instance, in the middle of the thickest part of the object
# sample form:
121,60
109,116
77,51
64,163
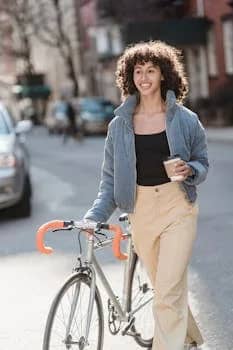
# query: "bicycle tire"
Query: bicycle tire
138,291
84,281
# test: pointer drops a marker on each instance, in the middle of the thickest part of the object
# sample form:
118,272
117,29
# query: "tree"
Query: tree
16,31
53,22
55,25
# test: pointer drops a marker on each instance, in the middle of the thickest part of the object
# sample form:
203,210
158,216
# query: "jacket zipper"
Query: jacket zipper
168,136
134,160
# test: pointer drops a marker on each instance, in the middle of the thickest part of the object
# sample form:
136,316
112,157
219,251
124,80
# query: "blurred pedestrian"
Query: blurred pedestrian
150,125
59,112
71,128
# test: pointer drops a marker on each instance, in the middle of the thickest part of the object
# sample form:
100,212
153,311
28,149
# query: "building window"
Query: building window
108,40
102,40
197,72
227,26
211,53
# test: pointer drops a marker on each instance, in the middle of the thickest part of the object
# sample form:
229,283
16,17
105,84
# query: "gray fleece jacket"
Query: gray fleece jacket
186,137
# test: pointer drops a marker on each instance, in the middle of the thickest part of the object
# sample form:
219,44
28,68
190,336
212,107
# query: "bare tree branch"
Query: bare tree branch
16,31
51,29
21,21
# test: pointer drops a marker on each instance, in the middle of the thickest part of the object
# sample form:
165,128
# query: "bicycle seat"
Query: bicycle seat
123,217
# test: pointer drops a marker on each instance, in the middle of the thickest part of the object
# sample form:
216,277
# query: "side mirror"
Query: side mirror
23,126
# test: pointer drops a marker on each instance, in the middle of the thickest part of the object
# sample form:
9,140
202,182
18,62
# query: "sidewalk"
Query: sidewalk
220,134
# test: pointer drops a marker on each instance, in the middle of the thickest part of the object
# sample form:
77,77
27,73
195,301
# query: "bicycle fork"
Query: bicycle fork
83,341
90,304
72,310
89,271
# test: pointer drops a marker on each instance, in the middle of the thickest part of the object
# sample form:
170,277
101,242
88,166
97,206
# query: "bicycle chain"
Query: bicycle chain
114,324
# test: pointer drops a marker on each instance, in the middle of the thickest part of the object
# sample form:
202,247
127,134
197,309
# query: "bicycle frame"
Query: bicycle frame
92,264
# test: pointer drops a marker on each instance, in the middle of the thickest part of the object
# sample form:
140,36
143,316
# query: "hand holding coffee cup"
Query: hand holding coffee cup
183,169
177,169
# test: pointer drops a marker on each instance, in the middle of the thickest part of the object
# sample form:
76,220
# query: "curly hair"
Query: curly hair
169,60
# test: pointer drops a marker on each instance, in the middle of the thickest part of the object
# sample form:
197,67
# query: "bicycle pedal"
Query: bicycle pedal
127,328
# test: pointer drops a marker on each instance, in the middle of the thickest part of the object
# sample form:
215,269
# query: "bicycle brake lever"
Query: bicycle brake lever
101,234
63,229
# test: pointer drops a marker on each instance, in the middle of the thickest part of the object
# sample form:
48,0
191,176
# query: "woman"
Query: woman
150,125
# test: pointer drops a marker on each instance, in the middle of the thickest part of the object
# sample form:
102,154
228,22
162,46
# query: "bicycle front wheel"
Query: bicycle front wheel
141,298
67,319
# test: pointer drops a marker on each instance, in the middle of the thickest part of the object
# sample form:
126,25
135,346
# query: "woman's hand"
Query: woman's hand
88,221
182,168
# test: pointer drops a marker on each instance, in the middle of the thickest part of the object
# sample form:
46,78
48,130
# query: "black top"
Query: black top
151,150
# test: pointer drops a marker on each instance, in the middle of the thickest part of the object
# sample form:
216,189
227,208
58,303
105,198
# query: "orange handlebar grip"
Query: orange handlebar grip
116,245
48,226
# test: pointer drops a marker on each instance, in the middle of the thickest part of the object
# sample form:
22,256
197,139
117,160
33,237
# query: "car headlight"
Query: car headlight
7,160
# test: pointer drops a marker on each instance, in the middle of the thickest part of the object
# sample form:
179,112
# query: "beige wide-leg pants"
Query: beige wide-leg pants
163,231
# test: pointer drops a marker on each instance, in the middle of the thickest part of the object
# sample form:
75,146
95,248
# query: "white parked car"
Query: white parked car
15,184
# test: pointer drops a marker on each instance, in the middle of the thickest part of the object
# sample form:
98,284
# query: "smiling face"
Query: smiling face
147,78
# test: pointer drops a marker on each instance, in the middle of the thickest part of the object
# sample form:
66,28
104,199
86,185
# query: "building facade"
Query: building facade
100,30
202,29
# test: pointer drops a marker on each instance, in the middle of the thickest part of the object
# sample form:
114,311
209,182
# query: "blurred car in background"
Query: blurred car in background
94,114
15,183
56,120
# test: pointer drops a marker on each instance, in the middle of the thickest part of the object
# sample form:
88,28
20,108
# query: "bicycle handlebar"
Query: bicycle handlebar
59,225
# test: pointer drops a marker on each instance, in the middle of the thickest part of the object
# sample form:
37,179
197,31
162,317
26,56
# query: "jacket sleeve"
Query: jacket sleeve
104,205
199,156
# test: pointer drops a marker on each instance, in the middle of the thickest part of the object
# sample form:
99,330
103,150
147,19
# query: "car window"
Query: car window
108,107
97,106
8,118
91,106
4,129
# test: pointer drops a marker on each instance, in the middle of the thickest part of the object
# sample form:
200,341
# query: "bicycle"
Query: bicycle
76,318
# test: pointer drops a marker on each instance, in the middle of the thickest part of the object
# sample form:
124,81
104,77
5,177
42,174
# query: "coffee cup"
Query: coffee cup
169,165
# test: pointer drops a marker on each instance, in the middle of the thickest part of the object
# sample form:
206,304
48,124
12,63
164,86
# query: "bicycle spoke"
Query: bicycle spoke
75,323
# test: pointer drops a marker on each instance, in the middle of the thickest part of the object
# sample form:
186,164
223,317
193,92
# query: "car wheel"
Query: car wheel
23,207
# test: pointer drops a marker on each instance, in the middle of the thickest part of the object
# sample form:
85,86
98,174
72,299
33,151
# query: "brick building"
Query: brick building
220,15
202,29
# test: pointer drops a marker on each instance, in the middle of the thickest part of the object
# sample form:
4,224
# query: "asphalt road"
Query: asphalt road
65,180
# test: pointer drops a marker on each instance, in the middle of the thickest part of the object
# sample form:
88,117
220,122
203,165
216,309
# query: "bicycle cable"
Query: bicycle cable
79,241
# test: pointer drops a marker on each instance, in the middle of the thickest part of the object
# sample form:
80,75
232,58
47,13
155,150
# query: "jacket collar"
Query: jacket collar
126,109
